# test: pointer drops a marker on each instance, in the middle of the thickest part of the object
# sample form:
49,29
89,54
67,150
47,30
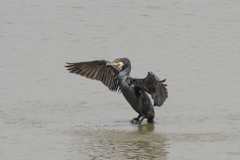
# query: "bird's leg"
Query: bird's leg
135,120
139,116
150,120
142,119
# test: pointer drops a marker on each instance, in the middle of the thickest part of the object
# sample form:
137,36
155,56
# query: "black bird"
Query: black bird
115,75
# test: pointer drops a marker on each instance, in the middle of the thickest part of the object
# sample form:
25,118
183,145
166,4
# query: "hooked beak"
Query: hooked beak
111,63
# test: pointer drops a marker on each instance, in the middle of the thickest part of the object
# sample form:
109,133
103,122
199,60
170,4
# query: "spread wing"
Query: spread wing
97,70
154,86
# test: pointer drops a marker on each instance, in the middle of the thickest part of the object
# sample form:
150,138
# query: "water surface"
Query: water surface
47,113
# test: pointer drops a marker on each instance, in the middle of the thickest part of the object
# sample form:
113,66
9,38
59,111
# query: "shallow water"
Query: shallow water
47,113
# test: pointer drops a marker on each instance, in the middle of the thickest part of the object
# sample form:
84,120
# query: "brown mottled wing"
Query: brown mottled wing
97,70
154,86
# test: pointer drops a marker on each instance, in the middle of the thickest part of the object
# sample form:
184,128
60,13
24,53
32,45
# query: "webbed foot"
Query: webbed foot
135,121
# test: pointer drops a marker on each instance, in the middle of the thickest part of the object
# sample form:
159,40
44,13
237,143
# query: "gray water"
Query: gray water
48,113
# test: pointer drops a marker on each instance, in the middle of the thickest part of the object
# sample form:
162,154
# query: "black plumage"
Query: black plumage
115,75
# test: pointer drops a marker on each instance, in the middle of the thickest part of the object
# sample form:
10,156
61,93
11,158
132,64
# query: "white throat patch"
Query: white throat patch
120,64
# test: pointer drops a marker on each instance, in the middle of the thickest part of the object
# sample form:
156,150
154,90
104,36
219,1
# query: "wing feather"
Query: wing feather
95,73
154,86
97,70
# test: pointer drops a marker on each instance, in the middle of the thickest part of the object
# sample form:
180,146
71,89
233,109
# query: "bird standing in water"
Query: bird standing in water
116,76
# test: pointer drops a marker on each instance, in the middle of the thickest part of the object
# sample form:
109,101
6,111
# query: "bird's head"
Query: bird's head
122,63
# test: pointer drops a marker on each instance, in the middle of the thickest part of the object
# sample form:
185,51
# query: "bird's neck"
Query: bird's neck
123,74
126,71
122,78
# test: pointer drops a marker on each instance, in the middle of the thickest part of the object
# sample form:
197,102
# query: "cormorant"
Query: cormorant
115,75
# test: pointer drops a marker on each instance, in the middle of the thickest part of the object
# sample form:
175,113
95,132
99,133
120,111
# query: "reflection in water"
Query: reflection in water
143,143
146,127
